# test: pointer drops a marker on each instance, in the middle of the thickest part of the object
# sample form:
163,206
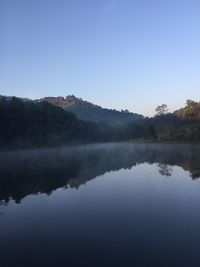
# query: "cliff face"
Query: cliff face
87,111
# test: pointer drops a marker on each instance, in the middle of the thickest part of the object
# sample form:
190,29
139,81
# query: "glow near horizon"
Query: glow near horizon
118,54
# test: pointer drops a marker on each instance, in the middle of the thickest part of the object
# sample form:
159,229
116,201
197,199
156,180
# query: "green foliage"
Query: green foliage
33,124
36,124
190,112
183,125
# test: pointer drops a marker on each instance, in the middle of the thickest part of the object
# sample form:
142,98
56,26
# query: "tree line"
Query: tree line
31,124
182,125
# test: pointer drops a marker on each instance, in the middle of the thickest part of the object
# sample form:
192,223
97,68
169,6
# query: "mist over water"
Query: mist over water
101,205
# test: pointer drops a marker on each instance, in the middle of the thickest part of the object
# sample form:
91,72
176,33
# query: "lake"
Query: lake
101,205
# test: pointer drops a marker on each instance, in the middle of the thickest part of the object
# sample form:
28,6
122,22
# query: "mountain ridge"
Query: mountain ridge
88,111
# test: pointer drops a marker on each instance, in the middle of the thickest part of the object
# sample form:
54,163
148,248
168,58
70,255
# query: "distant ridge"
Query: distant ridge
87,111
8,98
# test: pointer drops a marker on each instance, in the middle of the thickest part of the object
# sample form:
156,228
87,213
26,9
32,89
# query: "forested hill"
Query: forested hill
87,111
25,123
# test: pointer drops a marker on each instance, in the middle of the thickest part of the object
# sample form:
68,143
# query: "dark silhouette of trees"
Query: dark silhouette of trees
33,124
182,125
26,123
162,109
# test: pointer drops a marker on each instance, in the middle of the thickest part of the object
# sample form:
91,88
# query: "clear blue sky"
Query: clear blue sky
132,54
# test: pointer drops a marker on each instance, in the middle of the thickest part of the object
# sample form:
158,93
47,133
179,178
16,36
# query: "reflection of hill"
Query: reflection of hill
31,172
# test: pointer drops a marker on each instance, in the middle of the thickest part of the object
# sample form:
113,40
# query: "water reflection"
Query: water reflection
42,171
165,169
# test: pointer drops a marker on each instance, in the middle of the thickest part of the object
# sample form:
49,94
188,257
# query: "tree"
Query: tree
162,109
190,112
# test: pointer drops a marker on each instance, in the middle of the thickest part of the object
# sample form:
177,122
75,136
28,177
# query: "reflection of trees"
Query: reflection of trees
193,167
164,169
42,171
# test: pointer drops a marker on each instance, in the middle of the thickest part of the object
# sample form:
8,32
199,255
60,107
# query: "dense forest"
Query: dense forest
182,125
26,123
32,124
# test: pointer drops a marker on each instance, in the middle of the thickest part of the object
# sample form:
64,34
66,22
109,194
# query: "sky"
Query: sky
120,54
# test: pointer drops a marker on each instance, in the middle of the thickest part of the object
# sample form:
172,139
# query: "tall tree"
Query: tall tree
162,109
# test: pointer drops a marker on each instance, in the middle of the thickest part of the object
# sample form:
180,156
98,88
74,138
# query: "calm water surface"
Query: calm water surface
101,205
